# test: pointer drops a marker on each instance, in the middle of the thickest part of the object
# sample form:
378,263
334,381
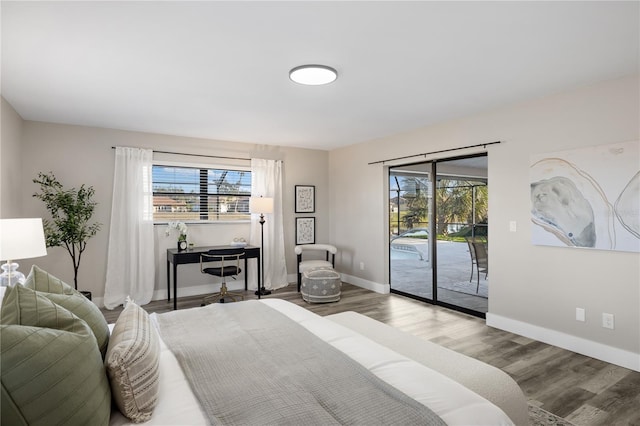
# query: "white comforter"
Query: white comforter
455,404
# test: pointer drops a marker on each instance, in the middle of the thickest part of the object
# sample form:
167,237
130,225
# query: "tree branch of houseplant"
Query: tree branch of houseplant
71,211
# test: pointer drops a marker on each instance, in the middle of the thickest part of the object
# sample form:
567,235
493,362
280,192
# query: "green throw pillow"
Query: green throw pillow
66,296
52,371
52,377
23,306
40,280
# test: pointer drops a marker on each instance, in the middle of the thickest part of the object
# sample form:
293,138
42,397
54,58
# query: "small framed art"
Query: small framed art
305,230
305,199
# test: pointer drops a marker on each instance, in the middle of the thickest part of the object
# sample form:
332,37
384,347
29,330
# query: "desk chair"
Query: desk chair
222,265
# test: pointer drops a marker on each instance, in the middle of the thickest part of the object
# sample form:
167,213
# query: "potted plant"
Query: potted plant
182,236
71,211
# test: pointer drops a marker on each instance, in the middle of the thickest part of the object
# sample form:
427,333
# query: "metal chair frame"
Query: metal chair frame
472,251
231,269
481,260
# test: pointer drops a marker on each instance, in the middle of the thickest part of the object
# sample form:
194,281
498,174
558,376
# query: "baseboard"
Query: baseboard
359,282
186,291
292,278
369,285
199,290
610,354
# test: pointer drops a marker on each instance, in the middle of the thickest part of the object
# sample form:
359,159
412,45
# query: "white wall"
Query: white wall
83,155
10,162
534,290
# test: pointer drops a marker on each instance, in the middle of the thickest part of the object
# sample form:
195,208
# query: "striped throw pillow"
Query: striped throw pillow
133,364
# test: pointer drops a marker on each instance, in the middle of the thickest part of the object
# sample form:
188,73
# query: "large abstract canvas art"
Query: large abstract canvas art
587,197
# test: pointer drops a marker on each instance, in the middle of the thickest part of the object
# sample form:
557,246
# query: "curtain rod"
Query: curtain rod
434,152
199,155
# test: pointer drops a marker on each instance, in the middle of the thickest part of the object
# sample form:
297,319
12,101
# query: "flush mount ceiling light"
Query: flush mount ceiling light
313,75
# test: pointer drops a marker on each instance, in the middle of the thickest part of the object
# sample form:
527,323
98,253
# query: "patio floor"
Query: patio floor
412,275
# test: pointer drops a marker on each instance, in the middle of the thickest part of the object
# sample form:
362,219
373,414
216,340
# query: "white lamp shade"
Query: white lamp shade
21,239
261,205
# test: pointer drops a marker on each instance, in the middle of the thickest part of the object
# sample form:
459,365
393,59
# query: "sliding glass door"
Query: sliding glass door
461,200
447,199
410,253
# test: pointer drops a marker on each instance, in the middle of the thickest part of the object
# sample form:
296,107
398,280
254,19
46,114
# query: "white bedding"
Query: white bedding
455,404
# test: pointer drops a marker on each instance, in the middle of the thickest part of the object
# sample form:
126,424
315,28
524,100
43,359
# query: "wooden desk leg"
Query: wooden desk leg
246,273
175,286
168,283
259,278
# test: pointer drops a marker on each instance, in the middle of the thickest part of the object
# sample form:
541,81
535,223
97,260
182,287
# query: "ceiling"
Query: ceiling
219,70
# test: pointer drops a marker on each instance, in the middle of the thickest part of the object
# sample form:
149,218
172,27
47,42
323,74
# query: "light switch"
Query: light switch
513,226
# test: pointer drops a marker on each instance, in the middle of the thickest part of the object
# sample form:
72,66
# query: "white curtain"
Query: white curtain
266,181
130,259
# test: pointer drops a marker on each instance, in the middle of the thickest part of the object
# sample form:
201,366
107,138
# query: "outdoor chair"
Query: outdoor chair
472,252
480,258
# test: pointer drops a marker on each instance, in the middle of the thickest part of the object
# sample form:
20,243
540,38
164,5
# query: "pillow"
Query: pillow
52,371
133,364
40,280
66,296
23,306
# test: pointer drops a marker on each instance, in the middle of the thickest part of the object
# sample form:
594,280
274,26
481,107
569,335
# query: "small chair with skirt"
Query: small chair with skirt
318,282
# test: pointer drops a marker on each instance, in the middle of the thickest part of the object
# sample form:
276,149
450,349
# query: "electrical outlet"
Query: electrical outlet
513,226
607,321
362,266
580,314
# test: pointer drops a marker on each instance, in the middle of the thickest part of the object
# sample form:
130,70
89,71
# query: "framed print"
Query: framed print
305,230
305,199
587,197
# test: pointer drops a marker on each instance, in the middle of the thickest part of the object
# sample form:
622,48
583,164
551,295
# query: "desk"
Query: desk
192,255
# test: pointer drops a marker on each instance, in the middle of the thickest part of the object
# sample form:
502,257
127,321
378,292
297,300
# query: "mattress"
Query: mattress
490,382
453,402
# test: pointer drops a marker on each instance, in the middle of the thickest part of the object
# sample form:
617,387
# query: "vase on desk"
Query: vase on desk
182,244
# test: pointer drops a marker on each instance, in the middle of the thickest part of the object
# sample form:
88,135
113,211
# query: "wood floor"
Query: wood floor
583,390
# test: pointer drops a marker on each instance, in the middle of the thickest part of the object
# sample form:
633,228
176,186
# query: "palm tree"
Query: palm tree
417,202
455,203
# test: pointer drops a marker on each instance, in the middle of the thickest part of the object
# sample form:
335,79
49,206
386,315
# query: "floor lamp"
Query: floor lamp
261,205
19,239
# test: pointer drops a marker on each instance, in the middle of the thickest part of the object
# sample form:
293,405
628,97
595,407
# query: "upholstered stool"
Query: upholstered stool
321,285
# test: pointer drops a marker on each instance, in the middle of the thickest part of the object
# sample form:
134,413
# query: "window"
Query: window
195,194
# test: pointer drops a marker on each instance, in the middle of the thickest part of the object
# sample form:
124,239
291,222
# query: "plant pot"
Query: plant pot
182,245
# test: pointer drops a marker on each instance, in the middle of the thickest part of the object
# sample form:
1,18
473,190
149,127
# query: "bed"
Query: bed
459,389
254,362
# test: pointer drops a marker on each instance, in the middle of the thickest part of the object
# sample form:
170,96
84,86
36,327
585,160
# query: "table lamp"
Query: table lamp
19,239
261,205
